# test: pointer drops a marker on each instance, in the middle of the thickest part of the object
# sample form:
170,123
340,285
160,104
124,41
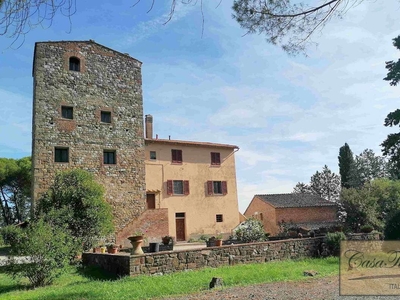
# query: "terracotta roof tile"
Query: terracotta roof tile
294,200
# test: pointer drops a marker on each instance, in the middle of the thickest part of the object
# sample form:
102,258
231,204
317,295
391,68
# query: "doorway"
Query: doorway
151,201
180,226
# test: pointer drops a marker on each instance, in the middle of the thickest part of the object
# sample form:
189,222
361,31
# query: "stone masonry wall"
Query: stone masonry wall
173,261
107,81
123,264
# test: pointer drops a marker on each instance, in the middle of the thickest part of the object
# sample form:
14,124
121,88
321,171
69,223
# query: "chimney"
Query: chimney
149,126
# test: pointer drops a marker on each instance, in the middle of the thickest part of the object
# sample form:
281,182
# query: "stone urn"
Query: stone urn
136,242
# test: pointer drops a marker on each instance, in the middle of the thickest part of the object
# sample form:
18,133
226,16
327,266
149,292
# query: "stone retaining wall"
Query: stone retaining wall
124,264
169,262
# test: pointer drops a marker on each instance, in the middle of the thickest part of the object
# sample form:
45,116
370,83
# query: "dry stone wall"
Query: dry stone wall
108,81
173,261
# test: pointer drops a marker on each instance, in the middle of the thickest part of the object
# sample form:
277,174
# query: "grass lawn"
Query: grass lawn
92,284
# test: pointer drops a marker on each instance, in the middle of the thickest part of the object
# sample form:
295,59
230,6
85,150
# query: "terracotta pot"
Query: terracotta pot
96,250
166,241
112,250
136,242
218,242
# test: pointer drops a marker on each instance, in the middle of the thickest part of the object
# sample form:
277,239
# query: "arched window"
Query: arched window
74,64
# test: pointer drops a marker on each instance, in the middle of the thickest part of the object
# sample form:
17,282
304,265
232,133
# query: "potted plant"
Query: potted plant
112,248
366,228
103,249
218,240
166,239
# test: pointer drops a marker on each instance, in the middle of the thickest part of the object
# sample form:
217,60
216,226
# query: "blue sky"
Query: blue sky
288,115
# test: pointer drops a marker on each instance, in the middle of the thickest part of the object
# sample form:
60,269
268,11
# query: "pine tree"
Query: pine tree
346,166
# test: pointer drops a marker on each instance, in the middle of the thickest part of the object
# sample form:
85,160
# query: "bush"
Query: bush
333,240
392,229
48,250
10,234
76,200
251,230
366,228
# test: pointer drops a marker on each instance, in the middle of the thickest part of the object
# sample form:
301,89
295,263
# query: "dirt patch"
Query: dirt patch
326,288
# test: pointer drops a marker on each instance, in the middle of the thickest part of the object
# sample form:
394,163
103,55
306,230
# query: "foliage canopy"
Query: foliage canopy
76,200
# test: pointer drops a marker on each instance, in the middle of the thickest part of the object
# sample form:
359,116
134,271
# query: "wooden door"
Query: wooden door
180,229
151,201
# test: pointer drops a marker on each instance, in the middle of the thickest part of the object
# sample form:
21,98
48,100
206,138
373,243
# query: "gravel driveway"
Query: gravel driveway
326,288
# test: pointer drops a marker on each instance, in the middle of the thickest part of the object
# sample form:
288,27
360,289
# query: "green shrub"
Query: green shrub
392,228
76,200
251,230
366,228
333,240
10,234
48,251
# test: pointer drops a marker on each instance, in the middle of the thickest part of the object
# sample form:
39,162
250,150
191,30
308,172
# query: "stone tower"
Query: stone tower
88,114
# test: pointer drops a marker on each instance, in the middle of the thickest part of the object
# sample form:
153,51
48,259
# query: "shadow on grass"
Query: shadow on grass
69,296
13,287
4,250
96,273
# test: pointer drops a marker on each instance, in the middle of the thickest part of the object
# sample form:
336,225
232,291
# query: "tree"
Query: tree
17,18
15,188
374,204
368,166
301,188
48,248
325,184
287,23
391,146
361,209
76,200
393,74
346,165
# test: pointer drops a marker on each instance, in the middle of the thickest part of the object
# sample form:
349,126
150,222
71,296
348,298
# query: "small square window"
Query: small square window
105,116
74,64
176,156
153,155
67,112
109,157
219,218
61,155
215,158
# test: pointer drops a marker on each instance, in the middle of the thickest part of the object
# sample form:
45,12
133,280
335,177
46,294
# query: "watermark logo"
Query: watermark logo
369,268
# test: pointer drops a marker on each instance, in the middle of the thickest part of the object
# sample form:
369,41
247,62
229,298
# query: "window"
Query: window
74,64
105,116
219,218
61,155
177,187
217,188
153,155
67,112
215,158
176,156
109,157
179,215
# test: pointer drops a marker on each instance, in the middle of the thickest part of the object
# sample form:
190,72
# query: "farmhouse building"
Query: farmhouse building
195,181
302,210
88,114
